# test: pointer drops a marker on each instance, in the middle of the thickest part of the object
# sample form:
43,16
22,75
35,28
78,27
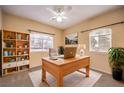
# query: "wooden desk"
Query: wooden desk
62,67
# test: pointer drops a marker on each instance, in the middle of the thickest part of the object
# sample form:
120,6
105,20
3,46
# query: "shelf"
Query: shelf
23,70
23,55
9,62
23,60
21,40
10,39
10,56
22,48
8,48
23,67
9,73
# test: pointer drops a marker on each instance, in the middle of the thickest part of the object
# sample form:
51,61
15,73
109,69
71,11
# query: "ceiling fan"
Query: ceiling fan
59,13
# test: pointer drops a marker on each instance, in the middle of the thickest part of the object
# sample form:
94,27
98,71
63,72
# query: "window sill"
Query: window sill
98,52
39,50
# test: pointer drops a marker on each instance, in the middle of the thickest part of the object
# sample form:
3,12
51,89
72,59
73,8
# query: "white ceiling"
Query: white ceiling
41,14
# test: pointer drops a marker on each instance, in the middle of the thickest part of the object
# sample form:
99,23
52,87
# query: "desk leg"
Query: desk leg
59,81
43,74
87,71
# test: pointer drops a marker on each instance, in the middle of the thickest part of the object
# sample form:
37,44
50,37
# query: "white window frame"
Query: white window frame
97,33
39,50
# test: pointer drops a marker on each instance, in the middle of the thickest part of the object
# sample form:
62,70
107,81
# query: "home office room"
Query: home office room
61,46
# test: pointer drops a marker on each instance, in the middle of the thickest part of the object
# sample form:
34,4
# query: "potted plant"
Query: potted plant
116,60
61,50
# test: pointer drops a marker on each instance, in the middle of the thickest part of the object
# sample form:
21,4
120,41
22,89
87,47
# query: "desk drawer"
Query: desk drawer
83,63
71,67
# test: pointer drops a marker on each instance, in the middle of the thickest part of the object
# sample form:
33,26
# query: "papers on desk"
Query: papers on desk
59,60
54,58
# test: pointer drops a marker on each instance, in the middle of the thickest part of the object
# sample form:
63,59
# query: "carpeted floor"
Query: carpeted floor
75,79
22,79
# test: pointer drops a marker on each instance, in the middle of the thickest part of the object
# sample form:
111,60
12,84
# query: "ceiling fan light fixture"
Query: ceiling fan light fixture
59,19
59,12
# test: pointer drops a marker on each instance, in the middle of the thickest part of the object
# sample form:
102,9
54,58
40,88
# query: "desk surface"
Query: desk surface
60,61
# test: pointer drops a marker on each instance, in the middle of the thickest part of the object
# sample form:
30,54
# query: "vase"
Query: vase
81,52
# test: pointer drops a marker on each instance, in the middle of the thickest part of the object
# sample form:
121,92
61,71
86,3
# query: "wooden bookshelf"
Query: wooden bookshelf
15,52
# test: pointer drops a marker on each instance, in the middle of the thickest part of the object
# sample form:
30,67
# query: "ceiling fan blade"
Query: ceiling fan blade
68,8
64,17
52,11
62,13
53,18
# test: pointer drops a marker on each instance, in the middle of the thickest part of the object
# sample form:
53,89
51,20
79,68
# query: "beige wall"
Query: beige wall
99,61
15,23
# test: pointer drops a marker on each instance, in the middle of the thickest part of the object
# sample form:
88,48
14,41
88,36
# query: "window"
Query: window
100,40
40,41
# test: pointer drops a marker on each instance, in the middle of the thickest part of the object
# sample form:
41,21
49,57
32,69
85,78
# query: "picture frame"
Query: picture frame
71,39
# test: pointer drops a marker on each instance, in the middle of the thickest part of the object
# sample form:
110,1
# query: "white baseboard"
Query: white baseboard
101,70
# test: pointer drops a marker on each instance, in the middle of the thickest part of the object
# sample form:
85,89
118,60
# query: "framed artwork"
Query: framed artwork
71,39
